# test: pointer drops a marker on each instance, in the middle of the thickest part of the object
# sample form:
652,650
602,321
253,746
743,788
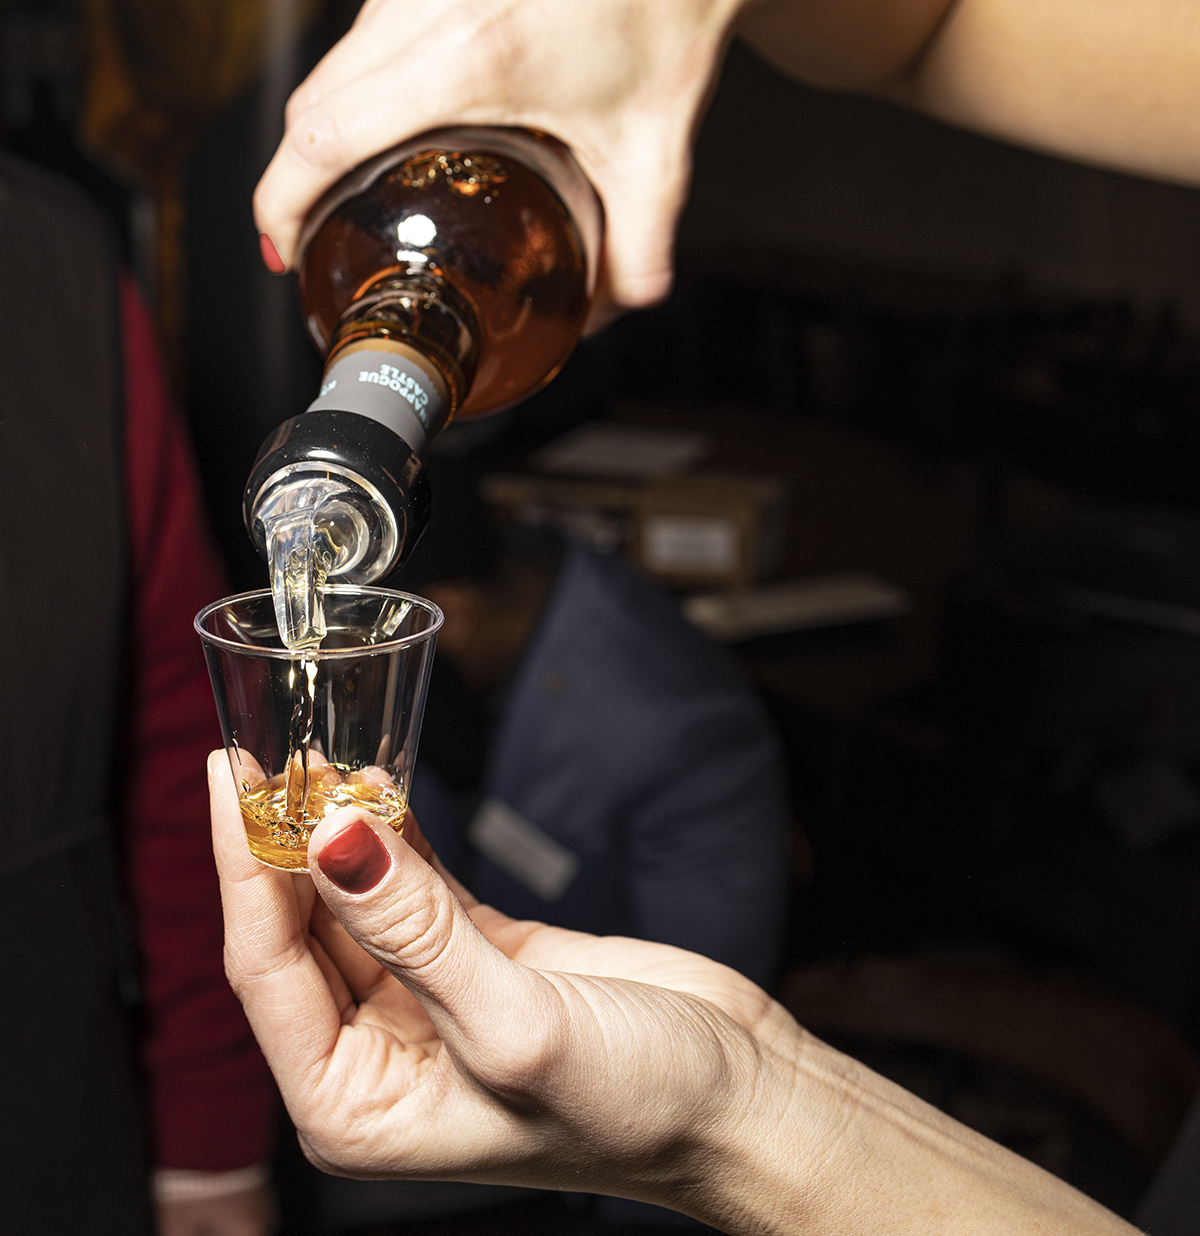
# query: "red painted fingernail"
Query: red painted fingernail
355,860
270,255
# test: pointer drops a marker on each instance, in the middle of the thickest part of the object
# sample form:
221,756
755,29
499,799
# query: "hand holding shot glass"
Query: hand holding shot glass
309,731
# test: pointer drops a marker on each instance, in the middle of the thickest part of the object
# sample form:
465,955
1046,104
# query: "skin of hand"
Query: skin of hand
623,83
417,1033
249,1213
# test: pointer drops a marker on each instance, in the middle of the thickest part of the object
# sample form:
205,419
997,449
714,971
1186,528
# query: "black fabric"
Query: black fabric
72,1147
61,563
459,542
455,730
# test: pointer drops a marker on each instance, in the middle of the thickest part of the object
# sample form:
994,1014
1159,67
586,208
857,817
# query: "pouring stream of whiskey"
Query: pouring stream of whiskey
300,731
280,811
300,560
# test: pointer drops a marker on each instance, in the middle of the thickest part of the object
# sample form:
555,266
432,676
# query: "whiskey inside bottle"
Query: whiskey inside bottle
486,230
440,283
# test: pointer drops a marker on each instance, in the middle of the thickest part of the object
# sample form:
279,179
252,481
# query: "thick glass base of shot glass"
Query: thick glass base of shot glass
280,841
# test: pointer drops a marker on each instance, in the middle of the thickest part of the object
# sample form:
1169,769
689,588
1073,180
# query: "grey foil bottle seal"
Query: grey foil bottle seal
390,386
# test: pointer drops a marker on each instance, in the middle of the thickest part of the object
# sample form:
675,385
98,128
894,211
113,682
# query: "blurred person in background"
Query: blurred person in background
589,758
134,1096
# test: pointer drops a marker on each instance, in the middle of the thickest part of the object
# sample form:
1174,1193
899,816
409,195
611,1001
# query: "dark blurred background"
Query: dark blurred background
976,371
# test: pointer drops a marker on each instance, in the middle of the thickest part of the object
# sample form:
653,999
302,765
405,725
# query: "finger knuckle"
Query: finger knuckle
417,932
315,140
485,37
300,100
528,1059
263,205
237,971
246,967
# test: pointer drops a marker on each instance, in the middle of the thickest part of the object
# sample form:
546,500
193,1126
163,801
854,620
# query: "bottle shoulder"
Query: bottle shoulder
540,153
471,213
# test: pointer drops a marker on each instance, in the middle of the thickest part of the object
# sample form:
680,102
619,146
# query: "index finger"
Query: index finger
388,80
326,139
287,1001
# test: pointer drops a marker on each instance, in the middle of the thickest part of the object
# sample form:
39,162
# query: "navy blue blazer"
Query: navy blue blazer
634,783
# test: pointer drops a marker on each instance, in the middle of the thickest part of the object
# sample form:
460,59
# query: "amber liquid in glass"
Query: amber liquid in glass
278,834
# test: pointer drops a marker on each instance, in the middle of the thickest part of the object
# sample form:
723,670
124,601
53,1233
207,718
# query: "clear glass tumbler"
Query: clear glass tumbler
308,732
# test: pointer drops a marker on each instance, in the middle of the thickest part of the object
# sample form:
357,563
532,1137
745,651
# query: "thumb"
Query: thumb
399,909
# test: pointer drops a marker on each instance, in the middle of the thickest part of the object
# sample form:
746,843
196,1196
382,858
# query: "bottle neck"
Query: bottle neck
314,527
355,485
404,354
345,477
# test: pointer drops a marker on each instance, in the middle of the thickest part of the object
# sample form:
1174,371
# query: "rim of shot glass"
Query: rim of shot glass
322,654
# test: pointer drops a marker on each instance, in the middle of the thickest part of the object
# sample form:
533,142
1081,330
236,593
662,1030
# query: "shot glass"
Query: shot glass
308,732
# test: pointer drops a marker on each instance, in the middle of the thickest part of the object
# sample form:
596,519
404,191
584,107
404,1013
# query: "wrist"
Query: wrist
171,1185
823,1145
771,1132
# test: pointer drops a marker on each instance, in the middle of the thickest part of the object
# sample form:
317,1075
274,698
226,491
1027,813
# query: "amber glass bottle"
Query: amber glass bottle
448,278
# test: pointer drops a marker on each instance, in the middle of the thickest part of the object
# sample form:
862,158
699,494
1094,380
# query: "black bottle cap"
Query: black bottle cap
347,443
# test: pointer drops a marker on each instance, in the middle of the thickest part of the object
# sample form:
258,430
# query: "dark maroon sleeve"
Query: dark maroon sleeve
211,1095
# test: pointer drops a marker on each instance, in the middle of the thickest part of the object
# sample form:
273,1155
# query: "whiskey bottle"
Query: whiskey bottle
448,278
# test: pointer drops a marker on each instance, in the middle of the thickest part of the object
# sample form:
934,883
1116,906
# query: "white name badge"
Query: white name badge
522,850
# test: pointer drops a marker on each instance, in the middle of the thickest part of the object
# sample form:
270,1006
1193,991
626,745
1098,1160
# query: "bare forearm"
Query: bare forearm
1113,82
419,1041
842,44
828,1148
